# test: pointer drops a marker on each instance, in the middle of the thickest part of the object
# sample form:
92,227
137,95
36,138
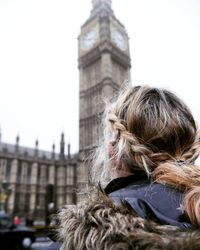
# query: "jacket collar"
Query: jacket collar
122,182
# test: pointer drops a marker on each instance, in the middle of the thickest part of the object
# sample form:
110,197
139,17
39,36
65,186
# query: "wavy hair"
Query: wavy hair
151,130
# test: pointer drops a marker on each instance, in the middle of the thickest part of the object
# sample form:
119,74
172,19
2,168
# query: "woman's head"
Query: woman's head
153,131
144,127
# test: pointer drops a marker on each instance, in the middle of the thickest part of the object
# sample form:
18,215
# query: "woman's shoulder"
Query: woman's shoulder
153,200
100,223
133,187
54,246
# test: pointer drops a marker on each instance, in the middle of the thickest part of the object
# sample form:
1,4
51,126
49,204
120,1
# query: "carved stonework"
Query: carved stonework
29,182
104,66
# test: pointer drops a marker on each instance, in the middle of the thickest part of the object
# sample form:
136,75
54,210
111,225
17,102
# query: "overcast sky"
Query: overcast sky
39,77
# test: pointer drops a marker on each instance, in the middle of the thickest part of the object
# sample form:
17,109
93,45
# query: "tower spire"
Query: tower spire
95,3
17,143
62,145
53,151
36,147
98,5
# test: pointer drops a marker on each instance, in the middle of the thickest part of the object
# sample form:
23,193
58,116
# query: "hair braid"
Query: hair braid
182,174
153,130
192,154
129,145
185,177
118,126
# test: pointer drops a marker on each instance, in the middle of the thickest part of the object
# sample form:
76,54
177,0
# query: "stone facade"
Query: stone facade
104,64
36,179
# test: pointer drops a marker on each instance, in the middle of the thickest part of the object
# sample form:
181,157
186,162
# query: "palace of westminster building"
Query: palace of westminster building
32,180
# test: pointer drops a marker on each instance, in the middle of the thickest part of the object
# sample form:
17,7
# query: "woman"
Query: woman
151,185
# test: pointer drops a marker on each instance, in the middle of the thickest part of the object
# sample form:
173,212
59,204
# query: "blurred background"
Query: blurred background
58,60
39,75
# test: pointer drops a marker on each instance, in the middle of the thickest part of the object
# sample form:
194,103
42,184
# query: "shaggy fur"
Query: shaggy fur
99,224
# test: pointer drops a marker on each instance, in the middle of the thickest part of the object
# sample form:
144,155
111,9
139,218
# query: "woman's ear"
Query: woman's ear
112,153
119,169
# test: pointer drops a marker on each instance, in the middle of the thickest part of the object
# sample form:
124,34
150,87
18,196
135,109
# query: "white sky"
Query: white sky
39,77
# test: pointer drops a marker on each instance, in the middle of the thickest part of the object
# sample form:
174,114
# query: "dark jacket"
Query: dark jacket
154,201
132,213
100,224
54,246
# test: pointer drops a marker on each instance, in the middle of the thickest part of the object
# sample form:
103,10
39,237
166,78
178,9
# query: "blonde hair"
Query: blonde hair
153,131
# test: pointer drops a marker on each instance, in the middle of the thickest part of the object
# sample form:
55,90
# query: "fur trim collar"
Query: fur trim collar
99,224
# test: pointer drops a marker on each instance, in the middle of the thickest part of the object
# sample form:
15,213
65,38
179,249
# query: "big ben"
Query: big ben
104,64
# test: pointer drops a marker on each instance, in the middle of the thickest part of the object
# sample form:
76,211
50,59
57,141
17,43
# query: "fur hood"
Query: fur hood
99,224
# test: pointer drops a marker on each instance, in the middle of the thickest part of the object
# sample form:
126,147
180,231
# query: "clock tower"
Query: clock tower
104,64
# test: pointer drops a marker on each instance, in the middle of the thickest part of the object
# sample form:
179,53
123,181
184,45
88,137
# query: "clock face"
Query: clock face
118,39
89,39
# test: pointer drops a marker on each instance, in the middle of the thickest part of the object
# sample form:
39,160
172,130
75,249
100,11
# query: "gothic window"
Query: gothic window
8,170
70,175
91,134
3,164
29,174
47,174
16,202
60,200
93,76
41,202
94,73
19,172
81,137
49,193
86,133
51,174
34,173
27,201
24,171
61,175
69,198
88,77
89,105
97,72
38,175
118,73
43,175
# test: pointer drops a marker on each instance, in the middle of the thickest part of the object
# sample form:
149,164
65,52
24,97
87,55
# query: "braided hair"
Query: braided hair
153,131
